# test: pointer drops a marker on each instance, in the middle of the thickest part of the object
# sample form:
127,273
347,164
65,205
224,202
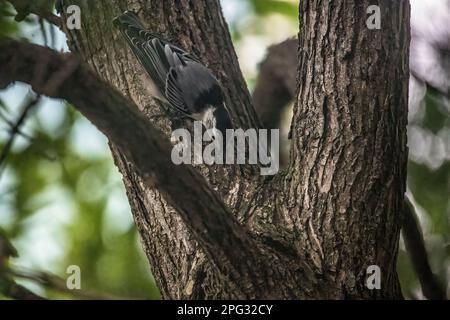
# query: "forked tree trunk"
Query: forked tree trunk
315,228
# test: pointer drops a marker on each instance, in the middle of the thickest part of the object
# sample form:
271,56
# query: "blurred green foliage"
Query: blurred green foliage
111,259
49,183
429,183
268,7
7,27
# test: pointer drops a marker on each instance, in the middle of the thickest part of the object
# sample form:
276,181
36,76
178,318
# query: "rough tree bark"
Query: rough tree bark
348,158
308,232
275,91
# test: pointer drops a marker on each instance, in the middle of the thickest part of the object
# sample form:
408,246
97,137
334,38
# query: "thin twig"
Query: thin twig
415,246
11,125
30,103
43,31
5,118
18,292
54,282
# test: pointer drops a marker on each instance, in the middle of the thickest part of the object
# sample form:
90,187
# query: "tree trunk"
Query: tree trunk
178,263
308,232
349,157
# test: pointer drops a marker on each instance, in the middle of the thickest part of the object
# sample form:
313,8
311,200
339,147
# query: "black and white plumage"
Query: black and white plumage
179,79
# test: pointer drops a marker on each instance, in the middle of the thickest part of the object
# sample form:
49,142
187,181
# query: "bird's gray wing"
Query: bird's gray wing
174,93
154,54
189,84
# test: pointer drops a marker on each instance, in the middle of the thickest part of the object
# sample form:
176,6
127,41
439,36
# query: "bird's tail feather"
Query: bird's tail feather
128,19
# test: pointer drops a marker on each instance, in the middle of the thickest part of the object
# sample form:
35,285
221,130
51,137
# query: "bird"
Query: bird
179,80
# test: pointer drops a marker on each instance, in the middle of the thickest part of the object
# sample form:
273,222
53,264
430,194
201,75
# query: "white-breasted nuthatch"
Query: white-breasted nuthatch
179,79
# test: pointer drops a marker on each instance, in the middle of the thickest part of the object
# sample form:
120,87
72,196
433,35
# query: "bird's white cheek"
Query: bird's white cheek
208,118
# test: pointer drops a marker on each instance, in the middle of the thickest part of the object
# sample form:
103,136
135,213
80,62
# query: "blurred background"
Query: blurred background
62,201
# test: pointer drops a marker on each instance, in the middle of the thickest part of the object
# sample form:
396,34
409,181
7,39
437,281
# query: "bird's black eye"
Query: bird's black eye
216,95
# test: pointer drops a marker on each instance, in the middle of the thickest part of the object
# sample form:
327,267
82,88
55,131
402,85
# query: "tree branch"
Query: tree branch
63,76
42,9
276,83
415,246
16,291
8,286
51,18
53,282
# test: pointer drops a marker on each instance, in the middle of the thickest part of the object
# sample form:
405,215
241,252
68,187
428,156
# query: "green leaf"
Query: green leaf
275,6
